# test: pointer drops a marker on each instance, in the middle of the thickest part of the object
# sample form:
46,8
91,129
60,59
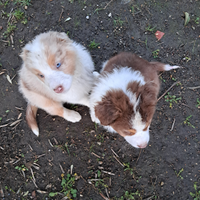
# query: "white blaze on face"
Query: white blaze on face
141,138
57,80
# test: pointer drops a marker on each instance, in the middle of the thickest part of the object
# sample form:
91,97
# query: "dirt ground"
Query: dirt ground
82,160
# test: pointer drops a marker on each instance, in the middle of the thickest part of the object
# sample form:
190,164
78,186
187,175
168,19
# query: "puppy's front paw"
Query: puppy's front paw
72,116
169,67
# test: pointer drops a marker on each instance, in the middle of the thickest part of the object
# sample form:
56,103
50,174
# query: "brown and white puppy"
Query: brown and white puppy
55,70
124,97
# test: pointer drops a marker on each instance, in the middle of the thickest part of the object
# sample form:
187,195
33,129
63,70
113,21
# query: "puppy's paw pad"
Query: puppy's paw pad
72,116
169,67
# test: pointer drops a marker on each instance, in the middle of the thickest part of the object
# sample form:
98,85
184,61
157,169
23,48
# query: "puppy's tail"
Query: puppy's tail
31,112
163,67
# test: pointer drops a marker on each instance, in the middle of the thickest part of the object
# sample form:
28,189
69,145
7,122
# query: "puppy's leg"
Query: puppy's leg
84,101
53,107
31,112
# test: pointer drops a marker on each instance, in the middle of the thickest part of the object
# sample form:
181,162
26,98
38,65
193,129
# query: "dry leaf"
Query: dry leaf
8,78
159,34
187,18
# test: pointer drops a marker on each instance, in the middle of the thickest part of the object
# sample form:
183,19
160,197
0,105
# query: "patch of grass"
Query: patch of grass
18,14
195,195
187,59
118,22
67,185
21,168
155,53
198,103
179,173
23,2
196,20
127,167
151,29
130,195
93,45
0,119
97,10
100,137
187,121
10,29
4,3
171,99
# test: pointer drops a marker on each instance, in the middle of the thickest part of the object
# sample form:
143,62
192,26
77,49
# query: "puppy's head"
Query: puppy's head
51,58
129,114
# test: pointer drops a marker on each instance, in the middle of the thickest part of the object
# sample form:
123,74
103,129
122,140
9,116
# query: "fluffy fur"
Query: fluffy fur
124,97
55,70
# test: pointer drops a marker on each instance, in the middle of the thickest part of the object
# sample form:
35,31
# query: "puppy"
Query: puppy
55,70
124,97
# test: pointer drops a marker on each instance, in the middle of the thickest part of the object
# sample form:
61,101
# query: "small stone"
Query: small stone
162,183
110,15
87,17
26,7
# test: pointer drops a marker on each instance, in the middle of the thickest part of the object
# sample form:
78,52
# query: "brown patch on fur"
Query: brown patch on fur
70,62
132,131
148,92
125,59
24,54
31,112
51,61
148,102
116,111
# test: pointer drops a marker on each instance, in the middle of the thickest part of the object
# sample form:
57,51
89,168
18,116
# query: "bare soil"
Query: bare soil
167,168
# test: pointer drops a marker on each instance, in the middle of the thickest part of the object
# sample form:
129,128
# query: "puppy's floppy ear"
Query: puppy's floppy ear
62,38
24,54
106,112
148,102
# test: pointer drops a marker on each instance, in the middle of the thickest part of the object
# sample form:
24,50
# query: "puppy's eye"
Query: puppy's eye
42,76
58,65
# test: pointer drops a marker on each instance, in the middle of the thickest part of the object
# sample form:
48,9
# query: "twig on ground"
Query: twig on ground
50,143
168,90
10,15
173,125
110,173
55,141
1,148
193,88
186,106
1,191
107,4
138,156
61,168
4,125
30,147
118,161
96,155
19,116
114,152
41,155
17,121
33,178
103,196
16,161
107,193
19,108
60,15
